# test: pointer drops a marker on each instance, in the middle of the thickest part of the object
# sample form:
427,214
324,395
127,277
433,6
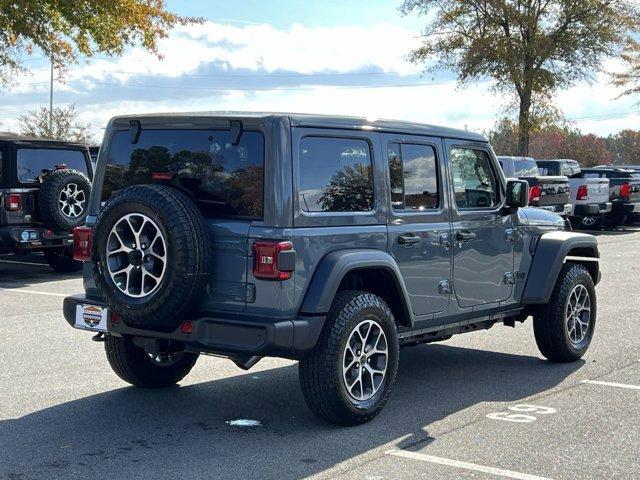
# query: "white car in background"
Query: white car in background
589,196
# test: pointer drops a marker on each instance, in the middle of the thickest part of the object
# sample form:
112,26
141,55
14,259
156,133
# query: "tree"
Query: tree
65,30
631,78
530,48
64,125
625,146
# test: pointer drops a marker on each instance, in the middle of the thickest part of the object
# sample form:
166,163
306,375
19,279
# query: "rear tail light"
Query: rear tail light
274,260
625,190
13,202
583,192
82,241
162,176
534,193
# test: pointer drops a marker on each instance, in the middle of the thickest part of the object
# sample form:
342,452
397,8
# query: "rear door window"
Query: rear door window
414,177
335,175
33,162
224,179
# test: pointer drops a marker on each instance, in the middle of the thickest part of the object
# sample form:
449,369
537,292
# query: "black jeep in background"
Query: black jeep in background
44,190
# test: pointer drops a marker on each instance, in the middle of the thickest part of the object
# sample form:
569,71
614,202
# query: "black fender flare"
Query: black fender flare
333,268
551,251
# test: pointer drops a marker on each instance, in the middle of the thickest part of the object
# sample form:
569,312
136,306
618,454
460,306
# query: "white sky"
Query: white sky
220,66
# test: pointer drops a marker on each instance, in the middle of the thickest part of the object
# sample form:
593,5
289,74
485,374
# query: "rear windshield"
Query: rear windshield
525,167
33,162
225,179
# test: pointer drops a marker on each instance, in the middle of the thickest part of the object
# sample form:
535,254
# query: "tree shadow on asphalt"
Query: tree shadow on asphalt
31,271
181,431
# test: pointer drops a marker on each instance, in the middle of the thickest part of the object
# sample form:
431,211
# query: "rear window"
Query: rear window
33,162
335,175
225,179
525,167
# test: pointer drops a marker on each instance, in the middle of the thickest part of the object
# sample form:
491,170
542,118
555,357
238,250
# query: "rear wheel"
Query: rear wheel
349,375
61,260
564,327
137,367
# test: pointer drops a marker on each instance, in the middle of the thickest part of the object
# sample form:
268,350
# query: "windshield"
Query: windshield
33,162
525,167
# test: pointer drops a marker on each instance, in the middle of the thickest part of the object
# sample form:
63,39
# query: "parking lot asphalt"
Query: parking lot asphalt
481,405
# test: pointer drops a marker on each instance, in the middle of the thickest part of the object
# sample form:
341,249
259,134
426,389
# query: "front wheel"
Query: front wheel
141,369
564,327
61,260
348,376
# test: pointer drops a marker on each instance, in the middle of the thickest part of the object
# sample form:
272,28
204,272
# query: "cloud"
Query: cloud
221,66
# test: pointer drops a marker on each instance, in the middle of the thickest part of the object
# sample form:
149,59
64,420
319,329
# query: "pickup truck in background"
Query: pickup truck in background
549,192
624,192
589,196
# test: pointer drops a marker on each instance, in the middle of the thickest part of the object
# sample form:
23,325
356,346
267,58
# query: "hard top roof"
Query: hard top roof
28,140
325,121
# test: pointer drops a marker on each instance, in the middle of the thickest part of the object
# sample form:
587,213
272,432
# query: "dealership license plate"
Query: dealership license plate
91,317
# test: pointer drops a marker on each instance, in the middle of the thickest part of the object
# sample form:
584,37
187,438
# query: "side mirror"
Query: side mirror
517,194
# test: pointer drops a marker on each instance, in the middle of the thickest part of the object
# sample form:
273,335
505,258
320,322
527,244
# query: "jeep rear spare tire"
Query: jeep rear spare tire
63,199
151,256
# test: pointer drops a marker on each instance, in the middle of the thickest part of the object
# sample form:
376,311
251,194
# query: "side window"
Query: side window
1,165
413,176
335,175
474,182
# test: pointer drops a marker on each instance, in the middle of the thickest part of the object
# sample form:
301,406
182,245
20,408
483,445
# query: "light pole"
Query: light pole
51,99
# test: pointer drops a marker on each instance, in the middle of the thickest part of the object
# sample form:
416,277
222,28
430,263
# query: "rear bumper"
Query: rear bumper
592,209
626,208
24,238
260,337
562,209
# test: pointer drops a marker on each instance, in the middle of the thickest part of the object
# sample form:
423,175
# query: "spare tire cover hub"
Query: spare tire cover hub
136,255
72,200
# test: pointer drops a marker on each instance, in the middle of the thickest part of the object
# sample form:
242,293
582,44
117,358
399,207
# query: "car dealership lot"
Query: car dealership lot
483,405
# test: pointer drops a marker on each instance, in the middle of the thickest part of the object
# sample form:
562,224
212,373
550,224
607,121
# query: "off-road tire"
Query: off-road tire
187,264
133,365
61,260
320,372
549,322
49,194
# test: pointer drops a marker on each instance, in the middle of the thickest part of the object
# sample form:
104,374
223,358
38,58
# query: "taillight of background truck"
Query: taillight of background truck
583,192
625,190
534,193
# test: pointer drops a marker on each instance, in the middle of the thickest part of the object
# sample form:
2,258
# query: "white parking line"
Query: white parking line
467,466
24,263
19,290
611,384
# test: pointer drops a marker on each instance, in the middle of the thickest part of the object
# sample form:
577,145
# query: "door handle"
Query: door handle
409,240
465,236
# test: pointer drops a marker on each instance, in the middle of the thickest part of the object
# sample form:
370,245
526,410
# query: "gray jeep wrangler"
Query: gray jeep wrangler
329,240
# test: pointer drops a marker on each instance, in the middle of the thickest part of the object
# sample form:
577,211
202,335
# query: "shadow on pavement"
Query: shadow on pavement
181,431
22,271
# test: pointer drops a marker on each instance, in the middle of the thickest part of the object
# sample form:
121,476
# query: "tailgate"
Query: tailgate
597,190
27,213
554,190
